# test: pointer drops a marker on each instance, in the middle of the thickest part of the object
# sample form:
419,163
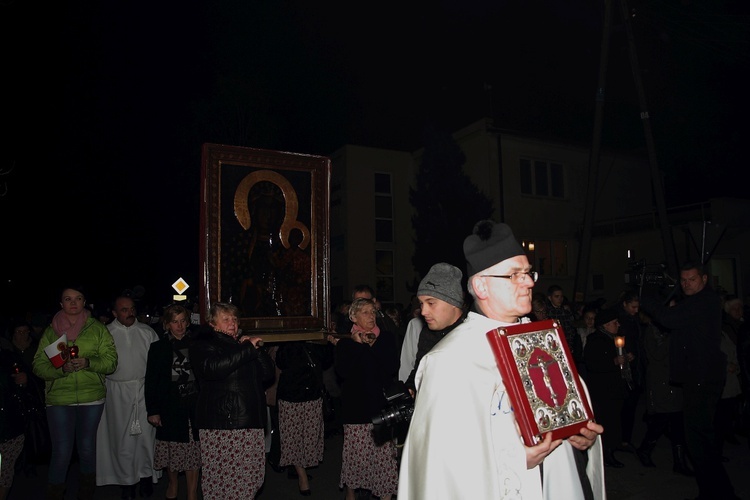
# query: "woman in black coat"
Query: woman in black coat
171,393
367,364
606,382
232,371
300,403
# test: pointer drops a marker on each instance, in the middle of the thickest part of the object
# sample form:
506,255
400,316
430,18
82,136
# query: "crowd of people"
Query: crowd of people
136,399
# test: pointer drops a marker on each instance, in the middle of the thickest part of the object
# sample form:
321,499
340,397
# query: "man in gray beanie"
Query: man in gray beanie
441,299
463,440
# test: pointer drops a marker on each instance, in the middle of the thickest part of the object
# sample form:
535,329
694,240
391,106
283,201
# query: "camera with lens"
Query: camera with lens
399,407
642,275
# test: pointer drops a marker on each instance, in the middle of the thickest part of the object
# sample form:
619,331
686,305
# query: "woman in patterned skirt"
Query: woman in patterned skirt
171,393
300,405
367,362
232,372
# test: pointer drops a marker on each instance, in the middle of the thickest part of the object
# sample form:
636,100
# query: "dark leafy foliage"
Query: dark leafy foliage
446,204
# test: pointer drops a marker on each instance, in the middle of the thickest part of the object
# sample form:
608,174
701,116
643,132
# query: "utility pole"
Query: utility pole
666,231
584,253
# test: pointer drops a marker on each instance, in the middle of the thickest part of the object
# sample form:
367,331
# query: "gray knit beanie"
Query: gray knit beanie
443,282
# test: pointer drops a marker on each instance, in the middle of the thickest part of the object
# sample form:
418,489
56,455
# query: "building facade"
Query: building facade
539,187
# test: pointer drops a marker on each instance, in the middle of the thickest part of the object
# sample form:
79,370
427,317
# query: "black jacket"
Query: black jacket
632,330
365,373
695,325
299,381
12,423
603,376
232,378
171,394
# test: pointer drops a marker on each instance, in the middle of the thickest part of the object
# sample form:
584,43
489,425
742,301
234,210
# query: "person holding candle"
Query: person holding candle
631,330
75,392
606,376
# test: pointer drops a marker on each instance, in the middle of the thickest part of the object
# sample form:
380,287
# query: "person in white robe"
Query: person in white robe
409,347
125,440
463,439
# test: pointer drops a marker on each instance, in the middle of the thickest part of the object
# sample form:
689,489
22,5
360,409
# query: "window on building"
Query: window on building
542,178
383,208
384,271
384,258
549,258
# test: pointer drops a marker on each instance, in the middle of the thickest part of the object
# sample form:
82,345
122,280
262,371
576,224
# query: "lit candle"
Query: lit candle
620,343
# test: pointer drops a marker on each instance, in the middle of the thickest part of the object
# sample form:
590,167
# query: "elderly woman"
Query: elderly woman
367,363
232,372
171,393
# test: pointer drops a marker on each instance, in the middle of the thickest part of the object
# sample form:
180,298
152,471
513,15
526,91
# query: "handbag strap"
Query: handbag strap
318,375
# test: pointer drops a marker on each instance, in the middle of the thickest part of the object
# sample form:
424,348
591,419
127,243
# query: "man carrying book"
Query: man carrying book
463,440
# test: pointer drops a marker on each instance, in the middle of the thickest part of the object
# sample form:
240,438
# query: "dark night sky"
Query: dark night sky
109,104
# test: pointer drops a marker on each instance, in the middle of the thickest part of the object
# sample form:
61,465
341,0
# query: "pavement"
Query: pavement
632,482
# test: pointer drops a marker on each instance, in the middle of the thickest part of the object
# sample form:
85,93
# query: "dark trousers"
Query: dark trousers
670,423
726,417
627,416
607,413
699,412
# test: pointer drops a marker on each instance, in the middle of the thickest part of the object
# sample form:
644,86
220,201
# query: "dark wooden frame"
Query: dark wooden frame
227,175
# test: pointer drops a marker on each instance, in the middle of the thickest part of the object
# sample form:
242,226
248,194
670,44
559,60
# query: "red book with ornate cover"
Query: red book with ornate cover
541,379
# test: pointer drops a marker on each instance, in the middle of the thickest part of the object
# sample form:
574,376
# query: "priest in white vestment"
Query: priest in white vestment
125,440
463,440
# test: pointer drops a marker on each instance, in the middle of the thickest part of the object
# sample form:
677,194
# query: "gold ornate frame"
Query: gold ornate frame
242,250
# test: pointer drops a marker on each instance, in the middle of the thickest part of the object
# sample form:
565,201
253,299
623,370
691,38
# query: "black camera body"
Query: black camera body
399,409
640,274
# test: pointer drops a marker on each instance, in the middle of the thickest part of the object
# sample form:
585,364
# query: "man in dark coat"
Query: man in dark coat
698,365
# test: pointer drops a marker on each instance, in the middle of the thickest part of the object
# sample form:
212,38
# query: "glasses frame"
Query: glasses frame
534,275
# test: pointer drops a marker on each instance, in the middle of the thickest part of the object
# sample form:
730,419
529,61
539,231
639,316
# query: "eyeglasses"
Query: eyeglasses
515,278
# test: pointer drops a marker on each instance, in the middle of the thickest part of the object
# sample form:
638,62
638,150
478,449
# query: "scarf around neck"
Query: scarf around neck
62,326
375,330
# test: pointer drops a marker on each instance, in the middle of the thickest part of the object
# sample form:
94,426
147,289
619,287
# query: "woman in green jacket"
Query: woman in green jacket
75,391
